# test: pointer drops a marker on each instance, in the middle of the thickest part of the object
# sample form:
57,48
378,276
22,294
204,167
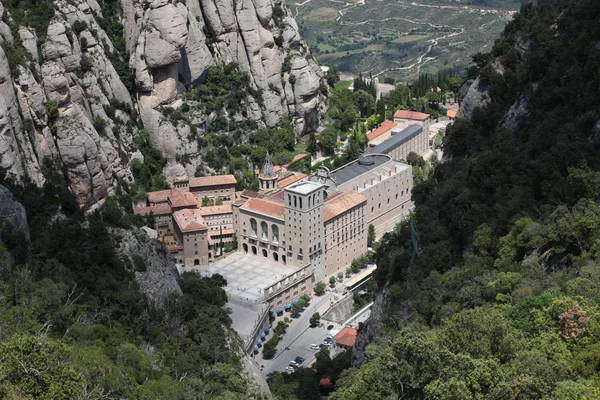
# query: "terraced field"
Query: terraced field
399,38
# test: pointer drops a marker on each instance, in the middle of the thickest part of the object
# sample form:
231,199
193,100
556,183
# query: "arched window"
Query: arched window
245,247
264,252
264,230
283,259
253,226
295,202
254,250
289,200
275,232
275,256
196,262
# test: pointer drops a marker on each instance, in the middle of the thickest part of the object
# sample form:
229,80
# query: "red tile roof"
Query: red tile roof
414,115
264,207
216,210
159,197
174,248
182,199
189,220
340,203
346,337
213,180
156,210
275,168
385,126
451,113
289,178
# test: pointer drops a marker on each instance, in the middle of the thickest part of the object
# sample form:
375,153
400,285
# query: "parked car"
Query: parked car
314,346
323,346
330,327
328,340
293,363
299,360
290,369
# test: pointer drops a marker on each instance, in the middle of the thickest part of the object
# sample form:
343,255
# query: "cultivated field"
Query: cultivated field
399,38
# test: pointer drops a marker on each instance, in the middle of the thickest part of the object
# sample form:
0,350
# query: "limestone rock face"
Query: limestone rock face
13,212
177,44
158,276
71,100
475,95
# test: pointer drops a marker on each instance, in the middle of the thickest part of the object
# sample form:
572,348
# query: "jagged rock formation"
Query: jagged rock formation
69,98
472,95
13,212
154,268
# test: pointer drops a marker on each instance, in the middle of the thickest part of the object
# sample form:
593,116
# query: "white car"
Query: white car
314,346
294,363
289,369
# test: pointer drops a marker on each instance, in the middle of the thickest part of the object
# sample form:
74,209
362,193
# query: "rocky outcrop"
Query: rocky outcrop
13,212
475,95
177,44
154,268
69,99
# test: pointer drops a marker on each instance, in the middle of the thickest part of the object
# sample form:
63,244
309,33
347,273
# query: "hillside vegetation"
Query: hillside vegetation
501,298
75,325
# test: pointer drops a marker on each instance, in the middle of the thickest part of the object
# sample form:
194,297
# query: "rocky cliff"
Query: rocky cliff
78,83
154,268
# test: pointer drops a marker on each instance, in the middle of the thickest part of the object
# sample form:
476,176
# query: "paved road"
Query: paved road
299,337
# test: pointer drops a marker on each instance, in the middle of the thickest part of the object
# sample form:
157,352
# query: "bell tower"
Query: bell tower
267,178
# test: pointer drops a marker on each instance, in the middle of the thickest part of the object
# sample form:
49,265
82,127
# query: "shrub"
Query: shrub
99,123
79,26
52,110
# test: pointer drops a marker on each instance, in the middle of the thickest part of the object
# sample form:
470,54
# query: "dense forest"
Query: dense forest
495,294
74,323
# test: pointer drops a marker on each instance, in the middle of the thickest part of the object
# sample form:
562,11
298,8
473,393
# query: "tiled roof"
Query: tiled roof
175,248
213,181
396,140
264,207
156,210
189,220
346,337
182,199
289,178
414,115
159,197
451,113
385,126
216,210
275,168
339,204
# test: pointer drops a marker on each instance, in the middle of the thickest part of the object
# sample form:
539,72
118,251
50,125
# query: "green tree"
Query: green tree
319,288
315,319
332,76
371,235
332,281
312,146
328,140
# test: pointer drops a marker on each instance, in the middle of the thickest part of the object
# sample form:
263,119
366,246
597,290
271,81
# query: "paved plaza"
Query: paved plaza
247,276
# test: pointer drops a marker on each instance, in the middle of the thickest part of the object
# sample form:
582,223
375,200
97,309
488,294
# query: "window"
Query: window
253,226
275,233
372,209
264,230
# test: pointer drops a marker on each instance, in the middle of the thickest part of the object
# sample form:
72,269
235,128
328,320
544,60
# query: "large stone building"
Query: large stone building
415,139
306,228
385,183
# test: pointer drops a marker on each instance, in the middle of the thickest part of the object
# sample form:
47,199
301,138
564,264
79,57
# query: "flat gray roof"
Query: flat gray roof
364,164
396,140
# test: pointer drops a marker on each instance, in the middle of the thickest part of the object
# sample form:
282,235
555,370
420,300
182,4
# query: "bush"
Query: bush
99,124
52,110
315,319
79,26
